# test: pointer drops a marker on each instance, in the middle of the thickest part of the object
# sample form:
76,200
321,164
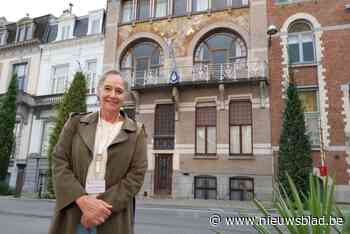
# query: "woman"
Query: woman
99,164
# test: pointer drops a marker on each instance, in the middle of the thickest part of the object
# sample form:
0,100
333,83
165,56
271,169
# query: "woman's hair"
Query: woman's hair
104,77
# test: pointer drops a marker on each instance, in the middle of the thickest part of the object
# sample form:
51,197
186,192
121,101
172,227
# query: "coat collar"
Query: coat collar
88,127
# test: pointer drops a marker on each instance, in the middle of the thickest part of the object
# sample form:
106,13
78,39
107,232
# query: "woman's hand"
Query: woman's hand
95,211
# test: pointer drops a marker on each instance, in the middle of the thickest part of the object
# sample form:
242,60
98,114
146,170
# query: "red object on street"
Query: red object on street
323,170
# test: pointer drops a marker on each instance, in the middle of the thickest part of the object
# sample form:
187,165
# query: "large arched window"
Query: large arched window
221,47
221,55
301,43
143,63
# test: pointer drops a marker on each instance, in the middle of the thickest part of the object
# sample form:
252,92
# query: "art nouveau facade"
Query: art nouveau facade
198,80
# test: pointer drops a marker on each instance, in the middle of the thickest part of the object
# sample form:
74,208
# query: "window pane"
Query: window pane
308,51
236,195
200,141
247,139
60,79
237,3
144,9
293,51
299,26
199,5
20,71
211,140
127,11
235,145
211,183
200,194
180,7
218,4
309,100
28,32
21,34
95,26
206,116
161,8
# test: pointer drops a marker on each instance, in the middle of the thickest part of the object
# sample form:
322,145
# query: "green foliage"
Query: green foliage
5,189
7,124
318,203
74,100
294,146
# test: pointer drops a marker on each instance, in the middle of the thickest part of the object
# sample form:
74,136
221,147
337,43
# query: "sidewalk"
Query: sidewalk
43,208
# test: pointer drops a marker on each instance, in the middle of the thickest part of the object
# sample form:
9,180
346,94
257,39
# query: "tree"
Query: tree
7,125
74,100
294,146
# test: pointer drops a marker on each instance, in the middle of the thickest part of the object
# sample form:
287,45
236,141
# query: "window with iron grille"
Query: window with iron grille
240,120
164,126
205,187
241,188
205,129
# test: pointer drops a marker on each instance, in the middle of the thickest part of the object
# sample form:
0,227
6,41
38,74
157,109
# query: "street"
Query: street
33,217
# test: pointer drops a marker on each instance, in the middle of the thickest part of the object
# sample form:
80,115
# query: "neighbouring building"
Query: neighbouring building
198,79
68,44
312,43
20,54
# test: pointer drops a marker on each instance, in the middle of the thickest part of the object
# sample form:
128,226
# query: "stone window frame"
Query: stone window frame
91,87
240,125
206,106
24,32
54,80
300,37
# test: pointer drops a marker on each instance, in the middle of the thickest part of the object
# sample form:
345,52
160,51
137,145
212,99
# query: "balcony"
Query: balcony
48,100
199,73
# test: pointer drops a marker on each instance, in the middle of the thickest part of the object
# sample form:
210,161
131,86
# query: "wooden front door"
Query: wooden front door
163,174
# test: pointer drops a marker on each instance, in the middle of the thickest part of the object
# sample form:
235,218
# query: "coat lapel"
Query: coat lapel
87,130
128,126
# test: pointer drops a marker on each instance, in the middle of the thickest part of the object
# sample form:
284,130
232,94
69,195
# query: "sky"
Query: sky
13,10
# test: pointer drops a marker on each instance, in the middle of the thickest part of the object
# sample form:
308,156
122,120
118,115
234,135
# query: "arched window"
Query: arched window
301,43
222,47
143,62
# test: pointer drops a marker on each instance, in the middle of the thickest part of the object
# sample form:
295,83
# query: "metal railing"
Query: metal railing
199,72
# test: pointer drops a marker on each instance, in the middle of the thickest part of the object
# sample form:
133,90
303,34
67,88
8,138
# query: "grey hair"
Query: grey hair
104,77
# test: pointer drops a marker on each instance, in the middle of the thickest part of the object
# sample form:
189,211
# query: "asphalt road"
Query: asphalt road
33,217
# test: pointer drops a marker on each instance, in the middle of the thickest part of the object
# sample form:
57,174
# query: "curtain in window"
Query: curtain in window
200,141
246,139
161,8
309,100
235,144
293,49
211,131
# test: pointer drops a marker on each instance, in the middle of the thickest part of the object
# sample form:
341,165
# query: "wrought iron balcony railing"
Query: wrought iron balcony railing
242,71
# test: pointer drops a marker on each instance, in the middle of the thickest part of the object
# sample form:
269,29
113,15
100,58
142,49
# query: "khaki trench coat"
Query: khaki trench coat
125,171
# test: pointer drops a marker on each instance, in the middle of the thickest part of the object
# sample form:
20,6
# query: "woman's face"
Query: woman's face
111,94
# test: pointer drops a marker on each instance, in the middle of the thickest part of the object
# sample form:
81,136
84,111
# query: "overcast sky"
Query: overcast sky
13,10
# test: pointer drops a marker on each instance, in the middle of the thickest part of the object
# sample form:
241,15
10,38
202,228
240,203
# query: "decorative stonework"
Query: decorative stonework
320,68
346,114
